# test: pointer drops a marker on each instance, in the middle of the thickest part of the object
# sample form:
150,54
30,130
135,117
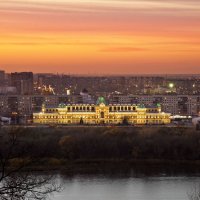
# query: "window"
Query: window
102,114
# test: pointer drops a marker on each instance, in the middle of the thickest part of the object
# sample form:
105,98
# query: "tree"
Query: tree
125,121
195,194
81,121
16,181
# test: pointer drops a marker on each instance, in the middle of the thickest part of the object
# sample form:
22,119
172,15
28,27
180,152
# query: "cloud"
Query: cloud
122,49
138,16
63,44
98,5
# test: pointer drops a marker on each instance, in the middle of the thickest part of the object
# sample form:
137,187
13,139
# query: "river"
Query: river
101,187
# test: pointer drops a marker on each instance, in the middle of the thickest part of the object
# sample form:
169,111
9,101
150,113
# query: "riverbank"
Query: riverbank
94,149
112,167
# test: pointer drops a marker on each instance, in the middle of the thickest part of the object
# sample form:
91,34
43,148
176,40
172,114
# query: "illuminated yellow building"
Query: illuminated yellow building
101,113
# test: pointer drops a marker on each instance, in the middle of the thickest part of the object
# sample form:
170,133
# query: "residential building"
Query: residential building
23,81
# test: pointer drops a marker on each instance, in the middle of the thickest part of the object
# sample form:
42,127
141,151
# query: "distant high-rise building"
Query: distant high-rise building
2,78
23,81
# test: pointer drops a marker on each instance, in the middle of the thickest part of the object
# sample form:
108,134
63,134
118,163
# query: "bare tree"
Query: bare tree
194,194
16,181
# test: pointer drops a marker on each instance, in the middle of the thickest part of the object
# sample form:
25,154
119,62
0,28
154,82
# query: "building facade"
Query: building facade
23,82
101,113
2,78
187,105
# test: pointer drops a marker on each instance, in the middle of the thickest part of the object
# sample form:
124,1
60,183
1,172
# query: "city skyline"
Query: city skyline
100,37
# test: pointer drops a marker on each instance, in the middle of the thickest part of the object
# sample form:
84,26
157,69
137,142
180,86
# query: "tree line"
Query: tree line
105,143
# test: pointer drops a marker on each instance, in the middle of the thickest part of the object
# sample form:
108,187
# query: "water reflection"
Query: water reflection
99,187
132,170
112,182
126,183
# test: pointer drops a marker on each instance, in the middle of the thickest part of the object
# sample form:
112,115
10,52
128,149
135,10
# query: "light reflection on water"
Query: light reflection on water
98,187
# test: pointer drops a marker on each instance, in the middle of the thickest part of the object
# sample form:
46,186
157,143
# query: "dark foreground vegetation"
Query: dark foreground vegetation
78,150
56,147
144,150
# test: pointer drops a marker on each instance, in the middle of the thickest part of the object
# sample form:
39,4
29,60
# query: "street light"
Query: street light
171,85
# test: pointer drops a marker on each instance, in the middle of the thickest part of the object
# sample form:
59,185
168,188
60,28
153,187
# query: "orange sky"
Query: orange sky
100,36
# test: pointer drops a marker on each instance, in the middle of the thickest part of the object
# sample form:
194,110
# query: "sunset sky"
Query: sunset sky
100,36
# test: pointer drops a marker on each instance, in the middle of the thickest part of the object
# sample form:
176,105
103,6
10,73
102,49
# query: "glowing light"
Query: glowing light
171,85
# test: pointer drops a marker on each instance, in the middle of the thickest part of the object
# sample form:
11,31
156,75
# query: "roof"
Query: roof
101,100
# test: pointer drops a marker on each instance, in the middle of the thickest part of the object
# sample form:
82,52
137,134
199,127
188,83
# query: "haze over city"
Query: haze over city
100,36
